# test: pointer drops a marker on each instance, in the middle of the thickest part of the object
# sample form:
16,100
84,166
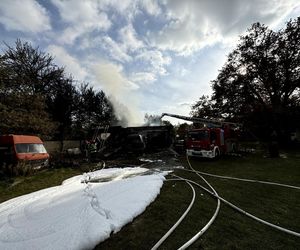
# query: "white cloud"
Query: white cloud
188,104
129,9
156,59
24,15
195,24
183,71
174,108
151,6
118,50
82,17
143,77
129,38
71,64
122,7
115,50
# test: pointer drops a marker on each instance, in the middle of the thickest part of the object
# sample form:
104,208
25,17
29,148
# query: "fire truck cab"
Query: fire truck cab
210,142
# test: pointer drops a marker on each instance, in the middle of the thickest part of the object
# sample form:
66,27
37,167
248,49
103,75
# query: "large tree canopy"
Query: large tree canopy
260,82
37,97
24,113
93,109
205,108
30,69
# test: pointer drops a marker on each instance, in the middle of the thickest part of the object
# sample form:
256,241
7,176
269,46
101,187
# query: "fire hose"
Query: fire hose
215,195
202,231
241,210
167,234
241,179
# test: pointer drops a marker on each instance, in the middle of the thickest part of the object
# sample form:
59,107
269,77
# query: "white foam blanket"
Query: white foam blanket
78,214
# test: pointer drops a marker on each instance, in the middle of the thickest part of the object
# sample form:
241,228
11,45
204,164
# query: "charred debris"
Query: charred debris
116,140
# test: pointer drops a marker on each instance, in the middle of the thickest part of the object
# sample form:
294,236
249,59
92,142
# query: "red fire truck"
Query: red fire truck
215,138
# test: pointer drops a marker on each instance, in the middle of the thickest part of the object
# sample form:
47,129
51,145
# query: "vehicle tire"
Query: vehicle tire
233,149
217,153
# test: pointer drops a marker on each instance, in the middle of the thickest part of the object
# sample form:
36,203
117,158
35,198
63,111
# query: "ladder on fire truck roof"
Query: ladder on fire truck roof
213,122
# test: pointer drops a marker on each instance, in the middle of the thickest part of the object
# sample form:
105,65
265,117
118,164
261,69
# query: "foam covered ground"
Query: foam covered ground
81,212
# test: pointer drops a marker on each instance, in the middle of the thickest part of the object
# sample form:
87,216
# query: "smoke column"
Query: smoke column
121,93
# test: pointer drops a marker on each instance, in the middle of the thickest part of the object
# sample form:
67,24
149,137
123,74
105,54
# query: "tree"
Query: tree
92,109
260,82
26,77
30,69
181,130
37,97
205,108
61,104
23,113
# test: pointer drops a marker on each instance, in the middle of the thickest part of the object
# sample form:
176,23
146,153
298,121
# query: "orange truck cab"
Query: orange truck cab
19,148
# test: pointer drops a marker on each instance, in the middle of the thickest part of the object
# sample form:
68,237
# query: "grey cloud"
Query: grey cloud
194,24
82,17
26,16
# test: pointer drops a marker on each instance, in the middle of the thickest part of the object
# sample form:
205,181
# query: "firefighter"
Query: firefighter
90,149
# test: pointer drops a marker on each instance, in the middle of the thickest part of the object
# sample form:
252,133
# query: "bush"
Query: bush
19,169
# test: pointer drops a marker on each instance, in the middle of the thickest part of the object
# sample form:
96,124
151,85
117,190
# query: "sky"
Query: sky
152,56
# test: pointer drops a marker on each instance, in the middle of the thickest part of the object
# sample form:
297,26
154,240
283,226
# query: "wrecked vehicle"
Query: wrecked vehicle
22,148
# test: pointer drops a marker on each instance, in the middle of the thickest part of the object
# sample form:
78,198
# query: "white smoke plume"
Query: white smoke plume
121,93
152,120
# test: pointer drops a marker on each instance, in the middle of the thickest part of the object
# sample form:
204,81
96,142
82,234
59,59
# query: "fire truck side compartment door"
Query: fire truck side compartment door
222,137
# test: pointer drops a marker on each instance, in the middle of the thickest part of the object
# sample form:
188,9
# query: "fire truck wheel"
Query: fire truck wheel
233,148
217,153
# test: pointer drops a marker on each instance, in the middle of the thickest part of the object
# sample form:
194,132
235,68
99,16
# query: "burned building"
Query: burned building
115,139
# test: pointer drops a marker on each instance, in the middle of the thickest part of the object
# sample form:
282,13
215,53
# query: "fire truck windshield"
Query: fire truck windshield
198,135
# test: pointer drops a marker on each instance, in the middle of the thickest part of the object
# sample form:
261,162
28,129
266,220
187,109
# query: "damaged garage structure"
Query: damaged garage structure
116,139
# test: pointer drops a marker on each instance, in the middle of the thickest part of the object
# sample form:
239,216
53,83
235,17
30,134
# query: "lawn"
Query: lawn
231,230
13,187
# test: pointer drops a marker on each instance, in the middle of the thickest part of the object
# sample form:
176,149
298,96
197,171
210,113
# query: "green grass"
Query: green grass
231,230
23,185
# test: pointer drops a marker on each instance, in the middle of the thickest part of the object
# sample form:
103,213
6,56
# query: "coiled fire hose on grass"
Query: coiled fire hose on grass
202,231
241,210
157,245
193,239
241,179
